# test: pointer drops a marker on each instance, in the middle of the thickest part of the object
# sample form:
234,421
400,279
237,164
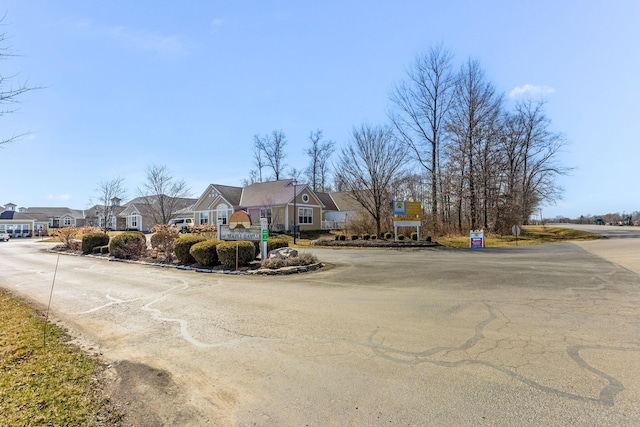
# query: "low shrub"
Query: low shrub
374,237
277,243
205,252
276,262
163,237
128,245
388,235
401,237
354,237
94,240
227,253
366,237
343,237
414,236
182,246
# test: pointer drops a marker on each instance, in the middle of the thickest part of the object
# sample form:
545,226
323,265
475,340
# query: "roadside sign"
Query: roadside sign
515,230
476,239
265,234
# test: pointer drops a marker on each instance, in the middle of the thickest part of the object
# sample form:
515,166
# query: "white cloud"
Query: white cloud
529,89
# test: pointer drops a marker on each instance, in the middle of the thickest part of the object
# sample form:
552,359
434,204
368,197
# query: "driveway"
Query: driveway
537,335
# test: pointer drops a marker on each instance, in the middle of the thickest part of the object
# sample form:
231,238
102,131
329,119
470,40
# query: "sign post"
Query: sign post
515,230
264,227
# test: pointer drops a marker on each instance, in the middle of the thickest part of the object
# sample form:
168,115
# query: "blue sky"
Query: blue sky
188,85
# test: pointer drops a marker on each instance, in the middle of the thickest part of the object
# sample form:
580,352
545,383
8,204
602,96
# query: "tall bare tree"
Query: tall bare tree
529,156
110,192
368,165
9,91
472,126
419,109
163,193
273,154
319,153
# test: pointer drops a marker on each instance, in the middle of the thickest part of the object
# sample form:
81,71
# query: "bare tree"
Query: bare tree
529,156
272,149
10,92
110,193
163,194
472,125
295,174
368,166
420,107
319,153
258,161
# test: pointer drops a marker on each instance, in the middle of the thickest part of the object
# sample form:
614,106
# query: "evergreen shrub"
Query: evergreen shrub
182,246
93,240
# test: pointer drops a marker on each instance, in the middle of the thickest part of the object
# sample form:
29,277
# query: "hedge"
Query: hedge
94,240
128,245
205,253
182,246
227,253
276,243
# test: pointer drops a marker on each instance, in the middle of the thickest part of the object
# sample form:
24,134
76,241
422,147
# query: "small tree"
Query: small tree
110,192
368,166
163,193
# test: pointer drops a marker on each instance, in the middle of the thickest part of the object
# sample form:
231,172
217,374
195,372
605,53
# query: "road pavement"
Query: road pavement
534,335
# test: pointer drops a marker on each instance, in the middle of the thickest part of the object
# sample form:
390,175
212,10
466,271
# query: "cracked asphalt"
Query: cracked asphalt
537,335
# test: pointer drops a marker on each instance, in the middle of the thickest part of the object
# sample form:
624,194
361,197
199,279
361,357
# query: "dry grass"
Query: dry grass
54,384
530,235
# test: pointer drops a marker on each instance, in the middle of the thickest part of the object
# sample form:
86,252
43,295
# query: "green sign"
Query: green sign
265,234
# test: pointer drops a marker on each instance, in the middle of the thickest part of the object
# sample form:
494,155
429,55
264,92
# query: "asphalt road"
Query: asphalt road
538,335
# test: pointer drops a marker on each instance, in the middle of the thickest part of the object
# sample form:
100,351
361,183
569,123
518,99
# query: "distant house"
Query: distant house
26,222
141,213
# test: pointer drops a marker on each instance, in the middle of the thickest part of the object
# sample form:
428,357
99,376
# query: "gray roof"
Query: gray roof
229,193
345,201
327,201
272,193
55,212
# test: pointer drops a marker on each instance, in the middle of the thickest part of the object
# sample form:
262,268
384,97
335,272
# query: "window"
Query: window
67,221
266,213
305,198
134,221
204,218
305,216
223,214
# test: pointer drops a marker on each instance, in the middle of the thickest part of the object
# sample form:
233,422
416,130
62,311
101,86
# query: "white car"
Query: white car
4,236
182,224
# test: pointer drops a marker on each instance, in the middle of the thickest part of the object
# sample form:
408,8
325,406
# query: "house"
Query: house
339,207
24,222
216,204
142,213
273,200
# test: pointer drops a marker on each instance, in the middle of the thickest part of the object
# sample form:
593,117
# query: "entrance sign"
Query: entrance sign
406,214
476,239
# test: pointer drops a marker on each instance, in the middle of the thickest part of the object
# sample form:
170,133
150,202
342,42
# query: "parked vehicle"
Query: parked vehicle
182,224
4,236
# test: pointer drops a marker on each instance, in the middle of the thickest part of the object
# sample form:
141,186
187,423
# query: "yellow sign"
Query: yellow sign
414,209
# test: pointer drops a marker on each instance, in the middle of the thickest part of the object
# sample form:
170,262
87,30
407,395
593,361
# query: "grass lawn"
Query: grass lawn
54,385
530,235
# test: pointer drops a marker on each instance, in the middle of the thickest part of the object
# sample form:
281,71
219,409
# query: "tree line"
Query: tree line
450,143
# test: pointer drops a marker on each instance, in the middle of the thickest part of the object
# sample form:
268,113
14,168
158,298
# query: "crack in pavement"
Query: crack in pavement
606,396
